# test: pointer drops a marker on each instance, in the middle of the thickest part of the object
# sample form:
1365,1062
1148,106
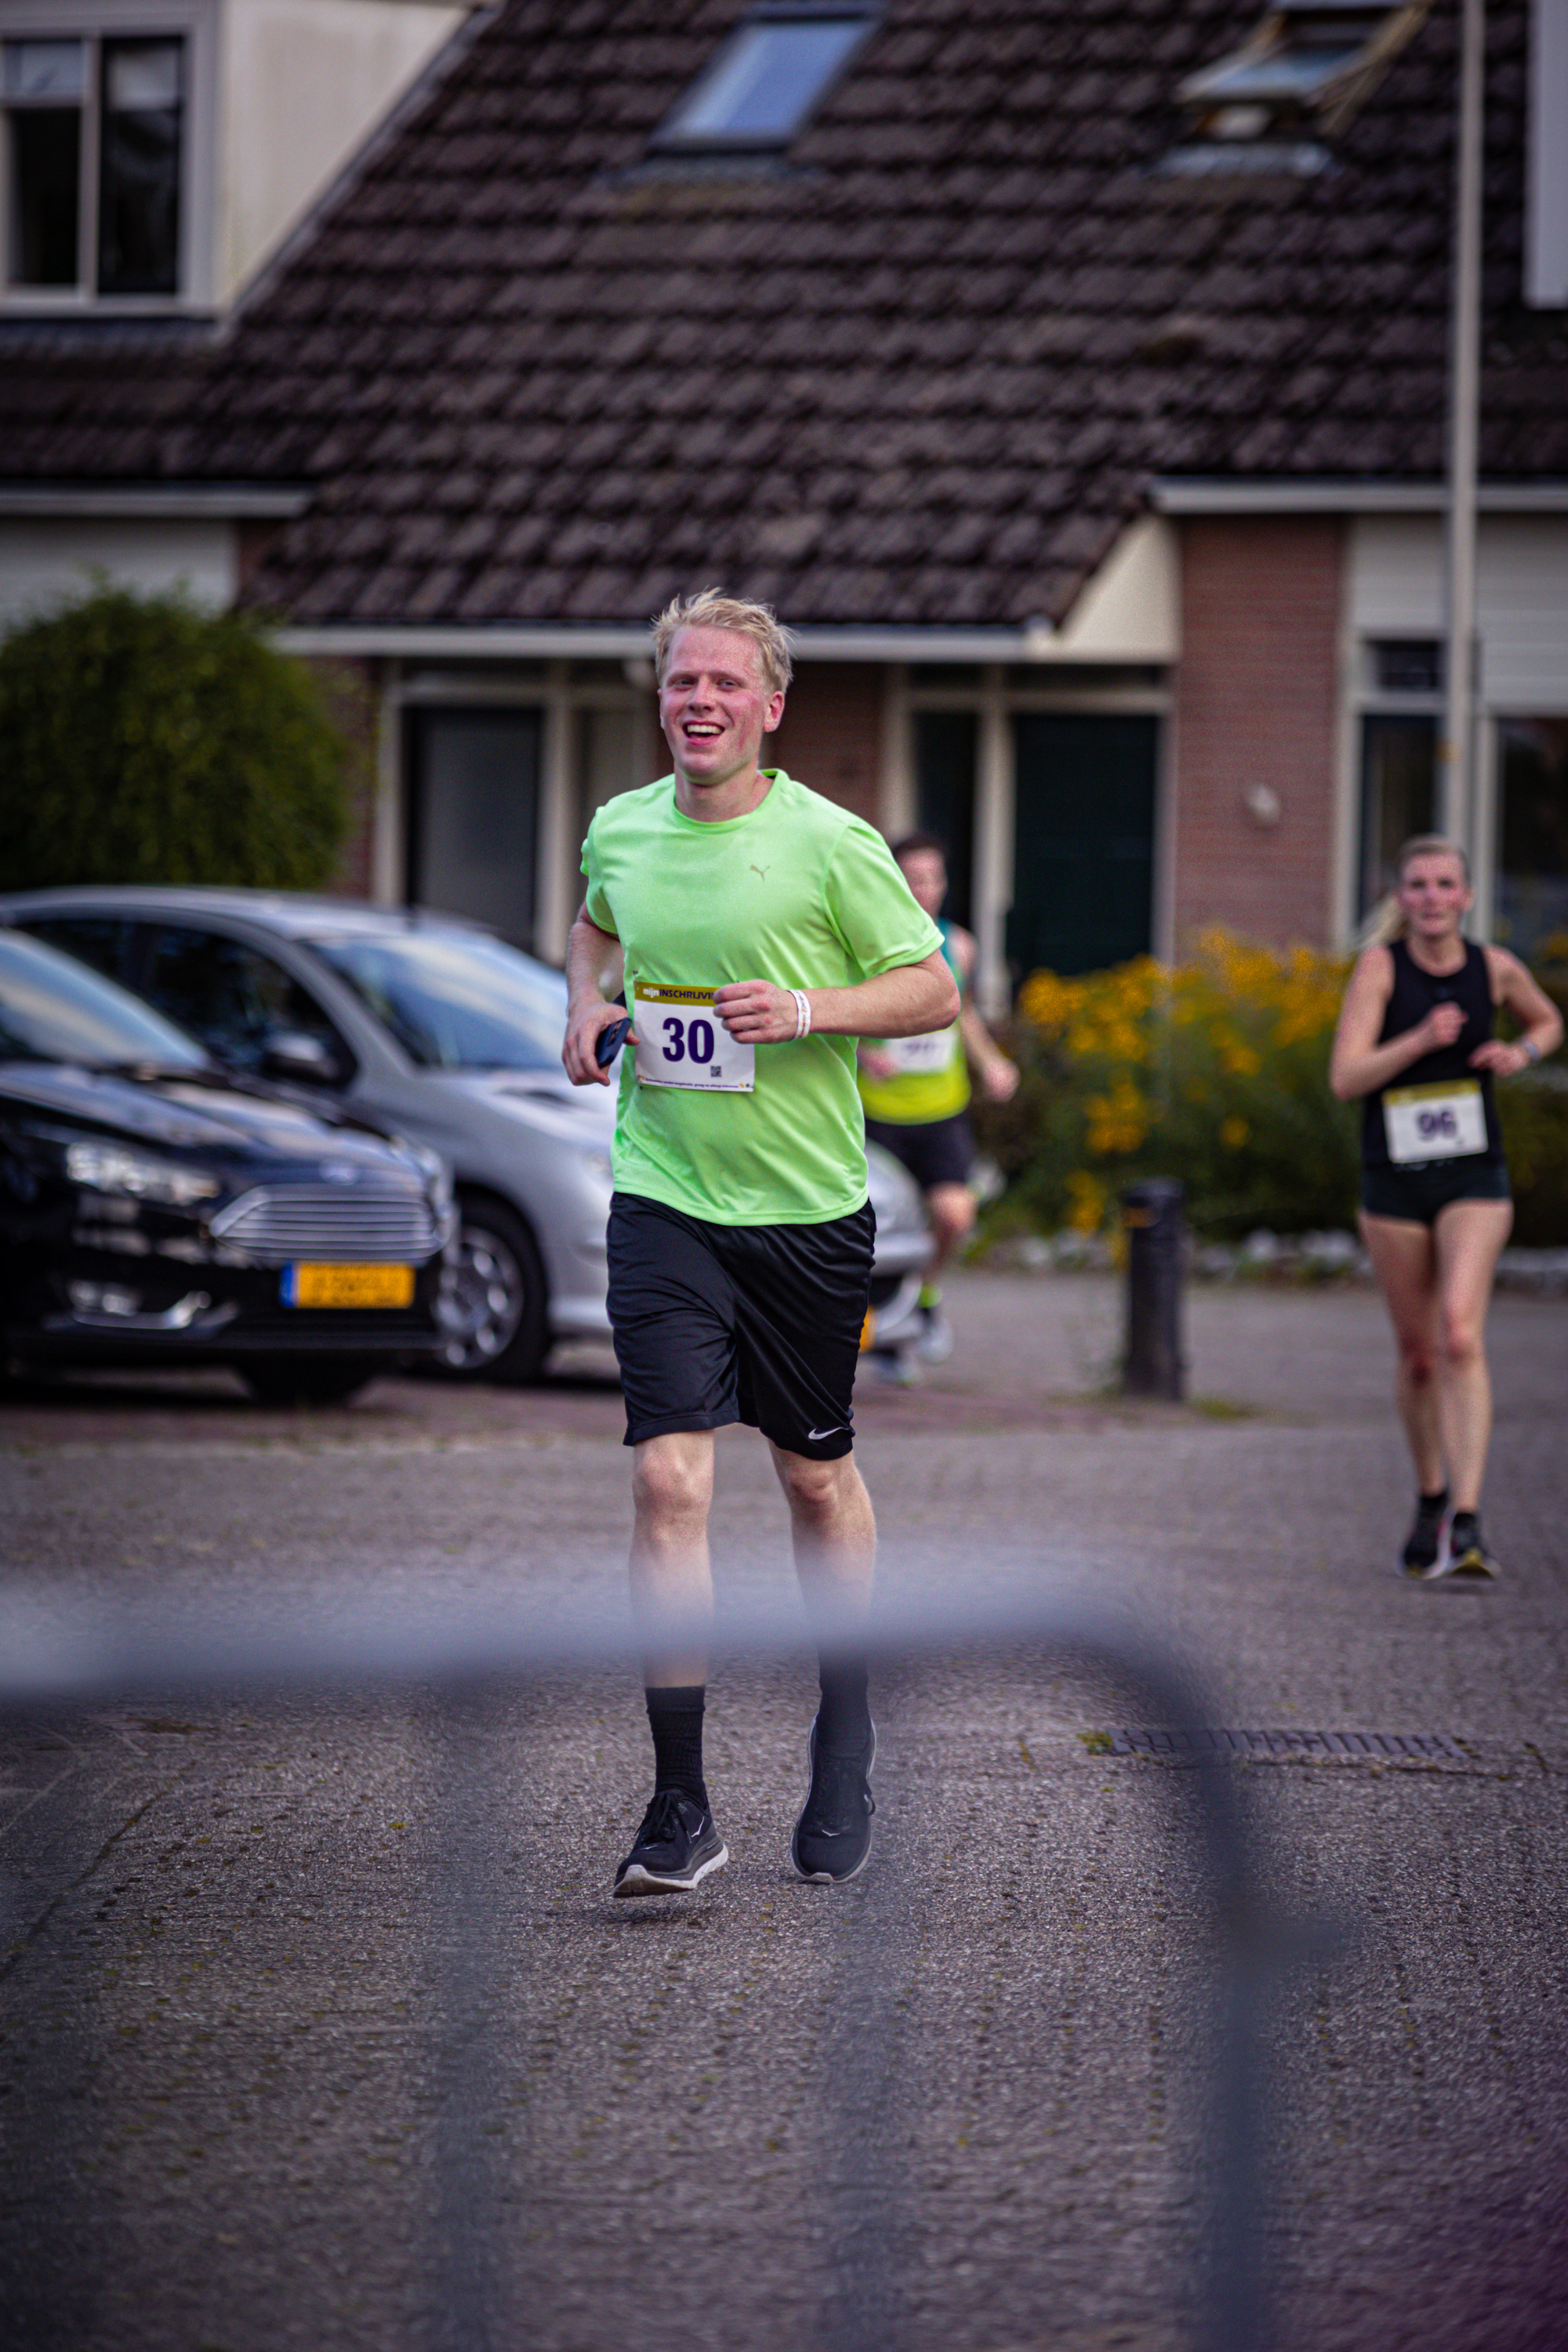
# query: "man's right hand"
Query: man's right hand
585,1024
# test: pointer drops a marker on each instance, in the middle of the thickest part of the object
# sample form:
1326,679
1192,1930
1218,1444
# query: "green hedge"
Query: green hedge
142,741
1215,1072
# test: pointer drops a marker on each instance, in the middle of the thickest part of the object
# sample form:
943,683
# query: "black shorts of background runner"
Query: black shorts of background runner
760,1324
1416,1193
935,1151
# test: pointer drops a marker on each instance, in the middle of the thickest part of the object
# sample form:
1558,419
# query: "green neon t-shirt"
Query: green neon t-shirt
799,892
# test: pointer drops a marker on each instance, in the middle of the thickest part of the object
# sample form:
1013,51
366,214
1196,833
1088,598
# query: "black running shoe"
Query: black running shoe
1464,1558
832,1839
1425,1541
676,1847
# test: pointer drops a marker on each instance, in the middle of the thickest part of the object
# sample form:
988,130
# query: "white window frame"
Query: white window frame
193,22
999,691
565,697
1369,698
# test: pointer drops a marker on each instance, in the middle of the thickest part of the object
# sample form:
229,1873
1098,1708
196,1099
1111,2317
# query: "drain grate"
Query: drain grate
1380,1746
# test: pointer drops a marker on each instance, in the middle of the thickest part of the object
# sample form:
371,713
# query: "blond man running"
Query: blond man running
763,929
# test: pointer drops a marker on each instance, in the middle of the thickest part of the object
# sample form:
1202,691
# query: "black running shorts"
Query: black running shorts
935,1151
1417,1194
755,1323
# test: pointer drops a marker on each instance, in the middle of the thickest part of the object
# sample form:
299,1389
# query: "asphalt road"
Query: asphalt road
319,2029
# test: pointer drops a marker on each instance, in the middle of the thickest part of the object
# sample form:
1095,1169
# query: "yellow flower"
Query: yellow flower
1233,1132
1118,1121
1089,1199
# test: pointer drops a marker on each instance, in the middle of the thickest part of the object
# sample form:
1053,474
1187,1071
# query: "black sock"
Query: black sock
675,1718
844,1718
1466,1520
1433,1504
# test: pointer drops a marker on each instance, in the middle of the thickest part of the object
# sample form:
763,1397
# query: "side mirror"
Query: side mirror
290,1053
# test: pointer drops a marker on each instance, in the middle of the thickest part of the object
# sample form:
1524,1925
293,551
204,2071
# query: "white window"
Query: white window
771,73
1294,82
95,168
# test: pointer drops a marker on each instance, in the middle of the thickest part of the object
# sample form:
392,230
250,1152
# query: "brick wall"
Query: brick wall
347,688
1256,705
831,738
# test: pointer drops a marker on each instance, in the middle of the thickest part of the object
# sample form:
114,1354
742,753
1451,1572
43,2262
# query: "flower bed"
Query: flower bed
1215,1071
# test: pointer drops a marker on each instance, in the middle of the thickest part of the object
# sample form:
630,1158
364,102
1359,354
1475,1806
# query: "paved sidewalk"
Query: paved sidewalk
234,1936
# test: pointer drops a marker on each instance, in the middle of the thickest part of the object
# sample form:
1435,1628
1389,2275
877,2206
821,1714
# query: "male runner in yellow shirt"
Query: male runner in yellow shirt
915,1092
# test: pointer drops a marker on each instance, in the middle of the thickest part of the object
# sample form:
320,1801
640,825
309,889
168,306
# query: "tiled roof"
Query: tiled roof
920,374
91,402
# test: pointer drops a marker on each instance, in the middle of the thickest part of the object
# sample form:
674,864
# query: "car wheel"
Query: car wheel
309,1379
494,1305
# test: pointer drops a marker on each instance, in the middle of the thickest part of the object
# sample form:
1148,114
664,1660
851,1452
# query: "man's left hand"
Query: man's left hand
755,1012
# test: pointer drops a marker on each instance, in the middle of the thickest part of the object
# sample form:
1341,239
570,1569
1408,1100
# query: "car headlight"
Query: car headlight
435,1170
110,1168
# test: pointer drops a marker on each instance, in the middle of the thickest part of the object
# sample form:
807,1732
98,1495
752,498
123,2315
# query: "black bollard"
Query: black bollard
1153,1365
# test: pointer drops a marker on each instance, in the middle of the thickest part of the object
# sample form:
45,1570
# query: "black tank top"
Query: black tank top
1413,996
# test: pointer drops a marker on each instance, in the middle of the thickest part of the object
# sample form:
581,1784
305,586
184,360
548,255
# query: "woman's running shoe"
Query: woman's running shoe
1464,1558
1424,1541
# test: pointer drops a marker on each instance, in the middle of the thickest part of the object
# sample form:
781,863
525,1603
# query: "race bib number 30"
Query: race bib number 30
1447,1121
682,1042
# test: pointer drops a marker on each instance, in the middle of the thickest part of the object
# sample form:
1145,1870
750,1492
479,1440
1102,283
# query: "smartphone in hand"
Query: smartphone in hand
611,1040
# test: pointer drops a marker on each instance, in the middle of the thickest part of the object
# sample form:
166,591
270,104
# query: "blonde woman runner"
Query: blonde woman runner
1416,1043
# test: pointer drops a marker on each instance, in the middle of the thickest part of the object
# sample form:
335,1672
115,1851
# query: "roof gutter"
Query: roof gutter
155,502
1177,495
500,642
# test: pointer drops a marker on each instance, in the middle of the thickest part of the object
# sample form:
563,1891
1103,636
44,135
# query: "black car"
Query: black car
156,1210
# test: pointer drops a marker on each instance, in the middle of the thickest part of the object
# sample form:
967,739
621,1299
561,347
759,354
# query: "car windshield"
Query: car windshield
53,1009
456,1000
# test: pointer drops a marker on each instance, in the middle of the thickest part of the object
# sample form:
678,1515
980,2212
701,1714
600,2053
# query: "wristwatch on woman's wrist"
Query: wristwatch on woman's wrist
1530,1049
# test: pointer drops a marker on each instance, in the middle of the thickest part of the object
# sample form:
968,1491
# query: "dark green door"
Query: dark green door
1083,841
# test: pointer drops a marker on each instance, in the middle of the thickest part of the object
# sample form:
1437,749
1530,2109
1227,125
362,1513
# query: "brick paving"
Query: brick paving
230,1926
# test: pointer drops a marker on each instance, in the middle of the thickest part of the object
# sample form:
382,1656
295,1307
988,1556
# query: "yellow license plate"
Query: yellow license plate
348,1285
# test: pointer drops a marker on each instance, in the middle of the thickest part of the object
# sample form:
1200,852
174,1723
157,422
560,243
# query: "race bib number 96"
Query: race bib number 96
682,1042
1439,1122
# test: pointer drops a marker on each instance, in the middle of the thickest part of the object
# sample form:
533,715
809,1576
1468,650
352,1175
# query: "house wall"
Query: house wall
831,737
1257,703
47,561
330,70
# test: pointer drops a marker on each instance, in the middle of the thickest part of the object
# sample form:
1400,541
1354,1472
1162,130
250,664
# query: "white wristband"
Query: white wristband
802,1013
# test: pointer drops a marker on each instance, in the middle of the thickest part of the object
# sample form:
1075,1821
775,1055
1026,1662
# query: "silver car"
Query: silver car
436,1029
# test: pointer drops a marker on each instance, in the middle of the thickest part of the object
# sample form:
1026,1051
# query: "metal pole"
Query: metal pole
1456,776
1153,1363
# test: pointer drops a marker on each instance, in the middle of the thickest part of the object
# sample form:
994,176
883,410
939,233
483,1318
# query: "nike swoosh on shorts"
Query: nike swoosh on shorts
814,1436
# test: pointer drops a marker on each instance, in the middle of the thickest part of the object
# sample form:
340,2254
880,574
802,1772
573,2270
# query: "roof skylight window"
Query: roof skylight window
773,71
1299,77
